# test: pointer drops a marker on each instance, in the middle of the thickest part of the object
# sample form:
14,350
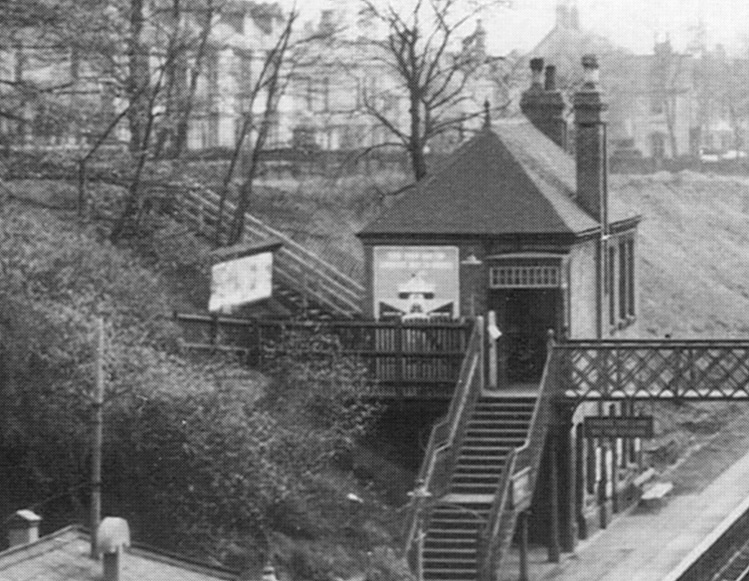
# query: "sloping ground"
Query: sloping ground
693,252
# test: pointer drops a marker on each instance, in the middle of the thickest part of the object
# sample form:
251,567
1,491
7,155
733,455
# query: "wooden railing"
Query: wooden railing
415,359
523,464
655,369
446,438
294,265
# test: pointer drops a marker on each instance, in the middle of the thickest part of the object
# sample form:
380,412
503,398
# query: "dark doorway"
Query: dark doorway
525,315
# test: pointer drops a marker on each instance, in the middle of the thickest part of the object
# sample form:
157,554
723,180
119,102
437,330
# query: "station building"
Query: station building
512,223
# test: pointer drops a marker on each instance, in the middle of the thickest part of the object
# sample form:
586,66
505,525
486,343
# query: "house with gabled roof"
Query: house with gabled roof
512,223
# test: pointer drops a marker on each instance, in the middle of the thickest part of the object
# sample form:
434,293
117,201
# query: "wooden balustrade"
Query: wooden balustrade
446,436
415,359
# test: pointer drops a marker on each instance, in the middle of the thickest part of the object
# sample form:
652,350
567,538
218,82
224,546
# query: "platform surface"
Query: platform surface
642,545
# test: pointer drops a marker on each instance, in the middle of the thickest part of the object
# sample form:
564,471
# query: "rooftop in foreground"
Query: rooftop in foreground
65,556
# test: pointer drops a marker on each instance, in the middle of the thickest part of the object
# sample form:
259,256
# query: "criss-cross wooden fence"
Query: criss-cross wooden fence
655,369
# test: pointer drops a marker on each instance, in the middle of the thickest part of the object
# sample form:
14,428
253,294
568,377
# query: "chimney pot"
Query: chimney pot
590,71
23,527
550,83
537,69
112,536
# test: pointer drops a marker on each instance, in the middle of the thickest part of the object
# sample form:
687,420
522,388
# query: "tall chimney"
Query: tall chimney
590,142
112,536
544,105
23,527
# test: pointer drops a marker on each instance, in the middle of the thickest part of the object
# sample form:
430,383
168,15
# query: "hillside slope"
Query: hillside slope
693,252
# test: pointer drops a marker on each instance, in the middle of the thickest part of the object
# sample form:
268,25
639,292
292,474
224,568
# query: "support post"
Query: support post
582,527
98,436
493,336
568,462
554,548
614,467
602,484
523,576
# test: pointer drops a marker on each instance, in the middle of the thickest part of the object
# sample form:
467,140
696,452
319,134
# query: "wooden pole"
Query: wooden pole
582,529
554,548
98,436
492,324
523,546
602,484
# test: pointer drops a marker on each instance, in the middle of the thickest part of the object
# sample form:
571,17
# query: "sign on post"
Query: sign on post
522,493
243,274
618,427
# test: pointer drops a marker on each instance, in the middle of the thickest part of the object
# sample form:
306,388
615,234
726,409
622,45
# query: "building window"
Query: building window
658,145
610,284
620,281
623,280
524,277
631,277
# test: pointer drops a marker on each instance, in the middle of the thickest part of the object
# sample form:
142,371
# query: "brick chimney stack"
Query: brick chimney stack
590,142
543,104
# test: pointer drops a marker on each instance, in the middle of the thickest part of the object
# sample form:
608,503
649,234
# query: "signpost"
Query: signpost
618,427
522,493
242,274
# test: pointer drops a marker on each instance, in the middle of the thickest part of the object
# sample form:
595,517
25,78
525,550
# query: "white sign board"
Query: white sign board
240,281
416,282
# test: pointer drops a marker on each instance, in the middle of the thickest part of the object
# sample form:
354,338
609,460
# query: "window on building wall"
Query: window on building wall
610,284
623,279
620,282
631,277
658,145
524,277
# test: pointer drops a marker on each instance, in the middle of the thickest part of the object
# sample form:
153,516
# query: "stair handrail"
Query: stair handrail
446,435
304,266
521,462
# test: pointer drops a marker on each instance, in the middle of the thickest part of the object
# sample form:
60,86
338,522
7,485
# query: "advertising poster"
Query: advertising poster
416,282
240,281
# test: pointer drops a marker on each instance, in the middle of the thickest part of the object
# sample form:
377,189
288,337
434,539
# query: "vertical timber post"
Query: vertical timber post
98,436
554,548
614,467
523,576
582,528
603,484
568,465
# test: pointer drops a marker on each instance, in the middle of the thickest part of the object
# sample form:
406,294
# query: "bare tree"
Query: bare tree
433,77
264,92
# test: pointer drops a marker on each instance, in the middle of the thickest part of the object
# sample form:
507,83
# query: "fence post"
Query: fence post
399,357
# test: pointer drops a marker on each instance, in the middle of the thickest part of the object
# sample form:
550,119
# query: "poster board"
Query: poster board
240,281
416,282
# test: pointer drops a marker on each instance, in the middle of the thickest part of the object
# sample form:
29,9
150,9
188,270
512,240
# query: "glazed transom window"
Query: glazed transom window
524,277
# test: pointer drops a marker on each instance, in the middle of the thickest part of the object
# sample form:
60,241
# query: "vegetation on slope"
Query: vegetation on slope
201,457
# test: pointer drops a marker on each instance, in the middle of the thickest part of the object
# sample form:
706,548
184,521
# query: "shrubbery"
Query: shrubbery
197,459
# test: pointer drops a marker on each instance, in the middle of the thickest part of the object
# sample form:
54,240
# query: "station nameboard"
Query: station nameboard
618,427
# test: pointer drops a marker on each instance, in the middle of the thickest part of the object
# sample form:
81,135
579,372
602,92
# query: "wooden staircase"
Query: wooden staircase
298,274
496,427
463,512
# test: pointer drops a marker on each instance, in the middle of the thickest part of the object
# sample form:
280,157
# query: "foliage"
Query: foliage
199,457
418,49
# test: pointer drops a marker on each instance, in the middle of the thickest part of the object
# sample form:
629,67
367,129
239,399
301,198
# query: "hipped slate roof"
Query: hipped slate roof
508,179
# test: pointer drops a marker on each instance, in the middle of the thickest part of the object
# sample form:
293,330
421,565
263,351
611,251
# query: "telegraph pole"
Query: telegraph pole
98,404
